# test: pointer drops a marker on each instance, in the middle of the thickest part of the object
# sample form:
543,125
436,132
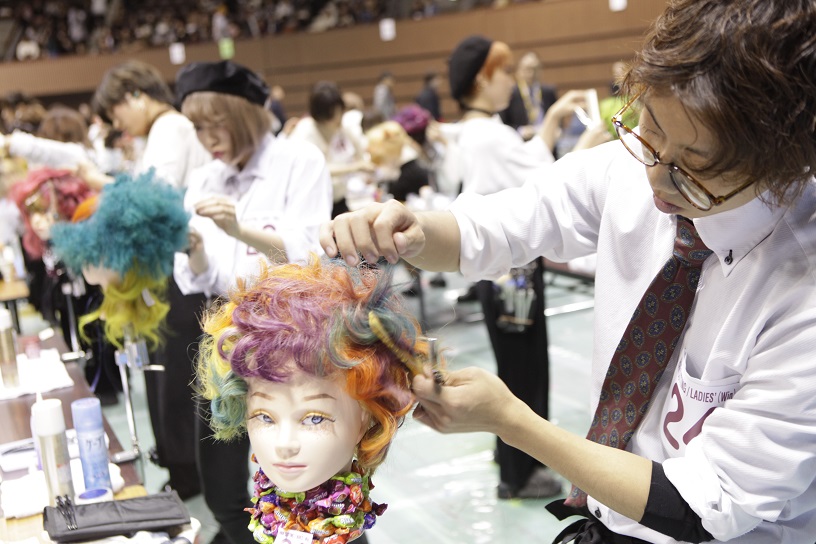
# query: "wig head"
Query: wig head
46,190
137,227
312,319
385,143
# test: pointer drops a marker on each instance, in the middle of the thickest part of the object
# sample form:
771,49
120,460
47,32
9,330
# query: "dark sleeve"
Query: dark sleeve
669,514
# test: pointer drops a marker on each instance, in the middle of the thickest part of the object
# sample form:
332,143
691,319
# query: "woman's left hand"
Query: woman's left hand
471,400
222,211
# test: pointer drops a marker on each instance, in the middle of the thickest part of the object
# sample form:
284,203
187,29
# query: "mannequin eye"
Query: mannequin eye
260,417
316,419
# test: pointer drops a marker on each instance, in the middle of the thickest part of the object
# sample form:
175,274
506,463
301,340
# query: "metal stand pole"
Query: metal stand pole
134,355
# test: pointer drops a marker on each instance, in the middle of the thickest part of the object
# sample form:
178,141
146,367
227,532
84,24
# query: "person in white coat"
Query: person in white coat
724,155
260,199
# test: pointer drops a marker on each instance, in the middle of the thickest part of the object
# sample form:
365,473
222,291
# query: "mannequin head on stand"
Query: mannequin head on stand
125,240
308,361
45,197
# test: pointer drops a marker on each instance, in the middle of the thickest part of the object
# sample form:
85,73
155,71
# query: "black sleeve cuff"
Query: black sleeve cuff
667,512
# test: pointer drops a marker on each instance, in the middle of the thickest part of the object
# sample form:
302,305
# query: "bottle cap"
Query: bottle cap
87,414
5,319
47,418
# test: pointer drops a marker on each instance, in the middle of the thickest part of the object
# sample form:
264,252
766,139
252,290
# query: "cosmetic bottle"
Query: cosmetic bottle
49,428
8,351
93,453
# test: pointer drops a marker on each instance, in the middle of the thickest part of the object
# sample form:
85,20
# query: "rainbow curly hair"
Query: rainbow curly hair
34,192
133,228
312,318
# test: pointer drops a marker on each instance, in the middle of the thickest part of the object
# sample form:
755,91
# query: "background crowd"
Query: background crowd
52,28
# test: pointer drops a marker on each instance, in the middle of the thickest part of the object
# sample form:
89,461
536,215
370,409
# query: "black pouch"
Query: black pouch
157,512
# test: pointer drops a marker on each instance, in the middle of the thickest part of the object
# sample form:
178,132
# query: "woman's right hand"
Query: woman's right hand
197,257
382,229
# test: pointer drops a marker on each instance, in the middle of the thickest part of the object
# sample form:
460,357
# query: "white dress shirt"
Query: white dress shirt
343,148
284,187
747,357
173,149
492,156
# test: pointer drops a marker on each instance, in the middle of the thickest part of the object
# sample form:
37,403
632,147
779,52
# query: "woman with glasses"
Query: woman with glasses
704,423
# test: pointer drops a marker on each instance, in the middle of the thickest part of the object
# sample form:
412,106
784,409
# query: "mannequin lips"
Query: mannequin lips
289,468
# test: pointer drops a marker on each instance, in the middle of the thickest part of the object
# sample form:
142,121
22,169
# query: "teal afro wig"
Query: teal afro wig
138,225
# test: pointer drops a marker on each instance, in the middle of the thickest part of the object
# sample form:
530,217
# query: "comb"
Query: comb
411,363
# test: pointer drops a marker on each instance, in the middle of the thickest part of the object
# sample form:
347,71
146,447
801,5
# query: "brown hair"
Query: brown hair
246,122
131,77
64,125
745,69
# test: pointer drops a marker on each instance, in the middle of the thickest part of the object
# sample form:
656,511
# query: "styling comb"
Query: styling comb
413,365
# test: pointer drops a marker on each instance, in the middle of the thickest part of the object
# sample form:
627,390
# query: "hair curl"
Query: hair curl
746,69
312,319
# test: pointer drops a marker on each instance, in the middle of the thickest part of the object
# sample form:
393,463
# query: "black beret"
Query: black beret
220,77
465,62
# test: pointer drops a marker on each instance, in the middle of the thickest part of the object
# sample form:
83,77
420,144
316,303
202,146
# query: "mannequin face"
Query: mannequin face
41,224
303,432
42,210
96,275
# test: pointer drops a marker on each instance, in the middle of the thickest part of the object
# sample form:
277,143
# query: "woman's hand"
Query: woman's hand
92,175
389,230
222,211
471,400
197,257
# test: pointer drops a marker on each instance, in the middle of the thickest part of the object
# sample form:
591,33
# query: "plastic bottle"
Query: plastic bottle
93,453
8,350
49,428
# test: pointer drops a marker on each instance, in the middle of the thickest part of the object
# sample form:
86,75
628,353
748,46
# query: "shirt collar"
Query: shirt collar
253,168
732,234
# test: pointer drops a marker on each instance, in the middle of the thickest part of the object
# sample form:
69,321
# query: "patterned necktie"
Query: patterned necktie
647,345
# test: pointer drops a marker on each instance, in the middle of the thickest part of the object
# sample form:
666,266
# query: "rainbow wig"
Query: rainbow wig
315,319
134,228
34,191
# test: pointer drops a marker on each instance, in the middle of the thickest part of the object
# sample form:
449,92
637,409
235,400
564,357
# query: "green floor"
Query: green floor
441,489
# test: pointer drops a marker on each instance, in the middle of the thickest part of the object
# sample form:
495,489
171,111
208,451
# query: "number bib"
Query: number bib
688,405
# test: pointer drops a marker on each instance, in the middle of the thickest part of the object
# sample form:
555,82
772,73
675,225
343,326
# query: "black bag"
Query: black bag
157,512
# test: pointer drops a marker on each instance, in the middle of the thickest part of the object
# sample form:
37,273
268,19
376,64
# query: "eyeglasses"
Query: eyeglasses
691,189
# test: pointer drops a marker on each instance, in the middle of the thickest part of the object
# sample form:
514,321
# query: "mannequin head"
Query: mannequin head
300,332
125,240
385,144
45,197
